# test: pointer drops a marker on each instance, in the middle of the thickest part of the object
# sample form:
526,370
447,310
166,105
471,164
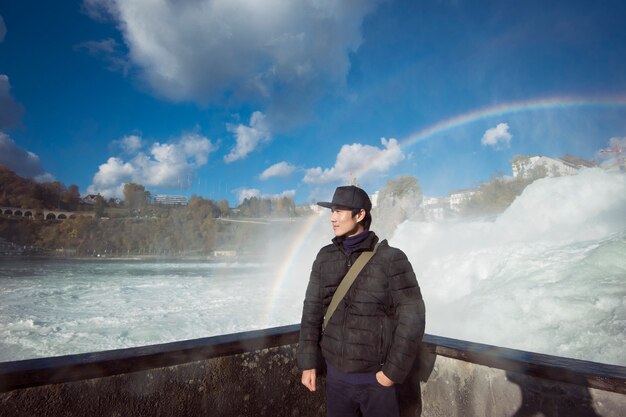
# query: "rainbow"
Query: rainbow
546,103
286,268
502,109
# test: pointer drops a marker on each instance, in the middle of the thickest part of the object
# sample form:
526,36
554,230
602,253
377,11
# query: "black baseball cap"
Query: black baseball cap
349,196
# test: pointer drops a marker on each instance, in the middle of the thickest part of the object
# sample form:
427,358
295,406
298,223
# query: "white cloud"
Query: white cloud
249,137
10,111
498,136
111,177
358,159
129,144
198,147
618,143
284,52
243,193
22,162
167,165
281,169
286,193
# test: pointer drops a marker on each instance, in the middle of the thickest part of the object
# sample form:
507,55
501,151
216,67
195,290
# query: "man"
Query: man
371,340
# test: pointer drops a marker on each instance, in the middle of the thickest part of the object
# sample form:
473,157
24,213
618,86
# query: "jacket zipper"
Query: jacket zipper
345,316
343,332
382,341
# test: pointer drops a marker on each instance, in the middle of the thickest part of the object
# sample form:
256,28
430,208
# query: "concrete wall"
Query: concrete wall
254,374
261,383
461,389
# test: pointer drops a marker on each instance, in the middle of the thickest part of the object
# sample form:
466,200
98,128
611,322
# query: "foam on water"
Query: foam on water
87,306
548,275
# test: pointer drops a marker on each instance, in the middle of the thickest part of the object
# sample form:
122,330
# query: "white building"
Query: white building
170,200
525,167
459,197
435,208
90,199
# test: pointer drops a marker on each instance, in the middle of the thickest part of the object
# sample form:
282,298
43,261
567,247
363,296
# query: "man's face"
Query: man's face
344,224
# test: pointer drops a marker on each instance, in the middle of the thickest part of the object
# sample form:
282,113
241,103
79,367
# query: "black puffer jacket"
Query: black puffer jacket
380,322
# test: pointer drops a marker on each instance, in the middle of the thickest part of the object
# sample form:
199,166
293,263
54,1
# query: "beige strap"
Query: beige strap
346,283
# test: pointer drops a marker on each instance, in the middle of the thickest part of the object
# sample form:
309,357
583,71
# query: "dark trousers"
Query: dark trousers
344,399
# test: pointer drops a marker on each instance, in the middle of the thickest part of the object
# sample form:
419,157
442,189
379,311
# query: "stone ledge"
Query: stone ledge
42,371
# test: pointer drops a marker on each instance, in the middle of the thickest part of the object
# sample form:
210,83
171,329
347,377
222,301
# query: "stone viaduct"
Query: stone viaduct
44,214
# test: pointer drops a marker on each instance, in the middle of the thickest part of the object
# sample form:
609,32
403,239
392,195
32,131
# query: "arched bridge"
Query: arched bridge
44,214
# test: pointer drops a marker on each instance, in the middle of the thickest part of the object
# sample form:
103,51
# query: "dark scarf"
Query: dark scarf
353,242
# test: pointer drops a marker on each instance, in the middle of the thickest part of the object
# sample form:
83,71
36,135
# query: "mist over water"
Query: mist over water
548,275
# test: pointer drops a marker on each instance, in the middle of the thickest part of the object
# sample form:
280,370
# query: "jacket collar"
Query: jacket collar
367,245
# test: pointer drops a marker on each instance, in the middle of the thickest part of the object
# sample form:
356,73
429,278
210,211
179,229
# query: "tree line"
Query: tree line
16,191
401,198
134,226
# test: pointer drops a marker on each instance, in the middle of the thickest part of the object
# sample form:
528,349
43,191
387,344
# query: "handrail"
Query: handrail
42,371
68,368
602,376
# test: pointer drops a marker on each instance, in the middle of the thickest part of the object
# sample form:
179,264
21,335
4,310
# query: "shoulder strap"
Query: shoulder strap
346,283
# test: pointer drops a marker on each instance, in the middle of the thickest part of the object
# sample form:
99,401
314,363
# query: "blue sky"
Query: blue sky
234,98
